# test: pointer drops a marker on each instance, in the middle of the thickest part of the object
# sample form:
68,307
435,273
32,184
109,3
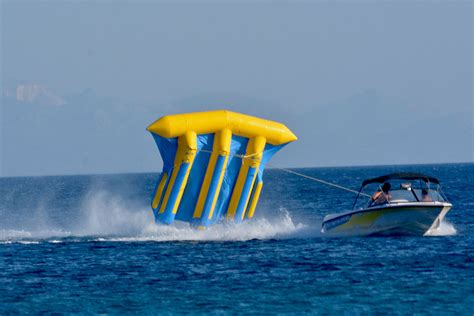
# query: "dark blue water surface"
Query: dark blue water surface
88,244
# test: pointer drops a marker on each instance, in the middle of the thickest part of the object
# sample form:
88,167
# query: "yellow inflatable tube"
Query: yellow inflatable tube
209,122
213,164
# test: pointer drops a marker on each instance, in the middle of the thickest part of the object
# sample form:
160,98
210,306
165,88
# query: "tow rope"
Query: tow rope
334,185
320,181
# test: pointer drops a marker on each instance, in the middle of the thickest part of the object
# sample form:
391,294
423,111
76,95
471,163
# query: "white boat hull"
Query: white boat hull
395,219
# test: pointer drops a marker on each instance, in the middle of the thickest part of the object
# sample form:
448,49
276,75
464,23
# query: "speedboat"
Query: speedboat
403,204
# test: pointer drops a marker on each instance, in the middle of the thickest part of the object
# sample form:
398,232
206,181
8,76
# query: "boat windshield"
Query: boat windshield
415,195
400,192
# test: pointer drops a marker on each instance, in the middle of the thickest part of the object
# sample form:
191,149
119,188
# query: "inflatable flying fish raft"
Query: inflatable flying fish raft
213,164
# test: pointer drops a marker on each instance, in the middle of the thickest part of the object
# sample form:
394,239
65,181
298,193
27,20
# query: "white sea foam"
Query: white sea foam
282,227
445,228
104,214
13,234
106,217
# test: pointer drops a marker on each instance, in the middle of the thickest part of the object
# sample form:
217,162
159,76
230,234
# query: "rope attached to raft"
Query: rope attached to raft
320,181
334,185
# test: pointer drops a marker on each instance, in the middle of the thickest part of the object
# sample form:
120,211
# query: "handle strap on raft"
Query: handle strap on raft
298,174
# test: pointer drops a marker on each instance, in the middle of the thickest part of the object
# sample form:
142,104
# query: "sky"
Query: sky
359,82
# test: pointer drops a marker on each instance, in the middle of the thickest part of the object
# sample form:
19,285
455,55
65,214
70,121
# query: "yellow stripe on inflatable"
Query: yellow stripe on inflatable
159,191
255,198
236,194
205,185
189,143
221,177
209,122
250,193
174,173
221,147
253,157
187,147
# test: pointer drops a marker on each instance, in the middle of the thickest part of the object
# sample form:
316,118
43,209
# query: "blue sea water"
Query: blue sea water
88,244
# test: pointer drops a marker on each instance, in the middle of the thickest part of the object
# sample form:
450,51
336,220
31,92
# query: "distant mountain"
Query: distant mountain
92,133
75,133
32,93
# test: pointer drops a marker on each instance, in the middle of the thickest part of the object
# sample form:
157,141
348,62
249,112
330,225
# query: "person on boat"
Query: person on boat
382,196
425,197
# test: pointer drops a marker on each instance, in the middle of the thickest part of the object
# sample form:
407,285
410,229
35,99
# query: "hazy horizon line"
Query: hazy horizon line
266,168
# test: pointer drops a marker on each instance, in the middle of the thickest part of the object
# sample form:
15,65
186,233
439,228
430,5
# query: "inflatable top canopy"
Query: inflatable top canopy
212,165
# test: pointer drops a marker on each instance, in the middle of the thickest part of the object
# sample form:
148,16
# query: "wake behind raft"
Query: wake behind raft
213,164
